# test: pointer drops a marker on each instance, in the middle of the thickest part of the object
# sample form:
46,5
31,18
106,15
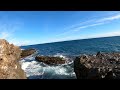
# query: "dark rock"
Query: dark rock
80,69
98,53
110,75
50,60
100,66
27,52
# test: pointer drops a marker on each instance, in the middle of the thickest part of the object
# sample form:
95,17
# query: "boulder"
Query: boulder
99,66
27,52
50,60
9,61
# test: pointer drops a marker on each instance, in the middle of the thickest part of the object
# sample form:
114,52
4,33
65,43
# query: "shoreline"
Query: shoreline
102,65
101,60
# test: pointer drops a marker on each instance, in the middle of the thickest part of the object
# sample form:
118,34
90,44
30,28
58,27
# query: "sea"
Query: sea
68,50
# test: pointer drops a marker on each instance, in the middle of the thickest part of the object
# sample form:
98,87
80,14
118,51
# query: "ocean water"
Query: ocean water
68,50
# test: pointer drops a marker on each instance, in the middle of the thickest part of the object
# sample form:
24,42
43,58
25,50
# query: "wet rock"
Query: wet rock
9,61
27,52
98,53
99,66
50,60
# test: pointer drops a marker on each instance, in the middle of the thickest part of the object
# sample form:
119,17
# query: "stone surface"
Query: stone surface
99,66
27,52
9,61
50,60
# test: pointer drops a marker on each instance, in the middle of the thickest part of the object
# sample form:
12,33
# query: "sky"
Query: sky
37,27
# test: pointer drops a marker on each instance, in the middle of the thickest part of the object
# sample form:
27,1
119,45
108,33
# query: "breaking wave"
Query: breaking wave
40,70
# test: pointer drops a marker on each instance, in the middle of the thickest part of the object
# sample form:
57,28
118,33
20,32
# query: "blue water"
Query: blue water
74,48
77,47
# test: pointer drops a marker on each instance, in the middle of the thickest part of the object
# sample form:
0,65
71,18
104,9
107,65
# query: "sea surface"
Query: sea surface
68,50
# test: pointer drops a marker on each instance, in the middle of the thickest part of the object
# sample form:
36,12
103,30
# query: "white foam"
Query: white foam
33,68
61,71
25,65
22,49
60,55
67,61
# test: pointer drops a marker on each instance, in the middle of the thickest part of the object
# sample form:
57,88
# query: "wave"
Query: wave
60,55
22,49
39,70
68,60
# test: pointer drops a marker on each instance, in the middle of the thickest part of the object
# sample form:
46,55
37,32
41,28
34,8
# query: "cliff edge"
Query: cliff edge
9,61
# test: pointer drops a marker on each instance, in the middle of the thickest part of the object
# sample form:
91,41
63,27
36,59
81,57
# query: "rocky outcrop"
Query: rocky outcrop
27,52
99,66
50,60
9,61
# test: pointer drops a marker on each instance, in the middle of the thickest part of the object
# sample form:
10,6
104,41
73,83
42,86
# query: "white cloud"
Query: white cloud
5,35
9,36
77,25
90,23
19,42
110,18
8,29
107,34
77,29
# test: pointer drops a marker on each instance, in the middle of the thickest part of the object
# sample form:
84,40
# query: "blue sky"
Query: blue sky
35,27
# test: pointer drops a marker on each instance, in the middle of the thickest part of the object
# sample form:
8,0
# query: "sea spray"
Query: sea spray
39,70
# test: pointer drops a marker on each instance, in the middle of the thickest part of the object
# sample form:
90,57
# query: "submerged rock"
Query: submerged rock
100,66
27,52
50,60
9,61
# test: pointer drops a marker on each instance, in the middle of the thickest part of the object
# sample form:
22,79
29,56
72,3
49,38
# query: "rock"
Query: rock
27,52
98,53
100,66
110,75
50,60
84,71
80,69
9,61
85,56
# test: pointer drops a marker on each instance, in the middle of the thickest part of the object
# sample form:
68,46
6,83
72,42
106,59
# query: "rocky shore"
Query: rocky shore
9,61
99,66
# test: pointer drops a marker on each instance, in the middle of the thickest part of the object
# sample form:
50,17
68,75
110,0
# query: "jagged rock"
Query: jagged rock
50,60
27,52
9,61
100,66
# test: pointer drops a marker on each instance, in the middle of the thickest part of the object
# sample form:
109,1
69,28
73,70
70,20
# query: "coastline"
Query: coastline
102,65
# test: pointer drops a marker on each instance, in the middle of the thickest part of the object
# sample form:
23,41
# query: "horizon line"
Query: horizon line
69,40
